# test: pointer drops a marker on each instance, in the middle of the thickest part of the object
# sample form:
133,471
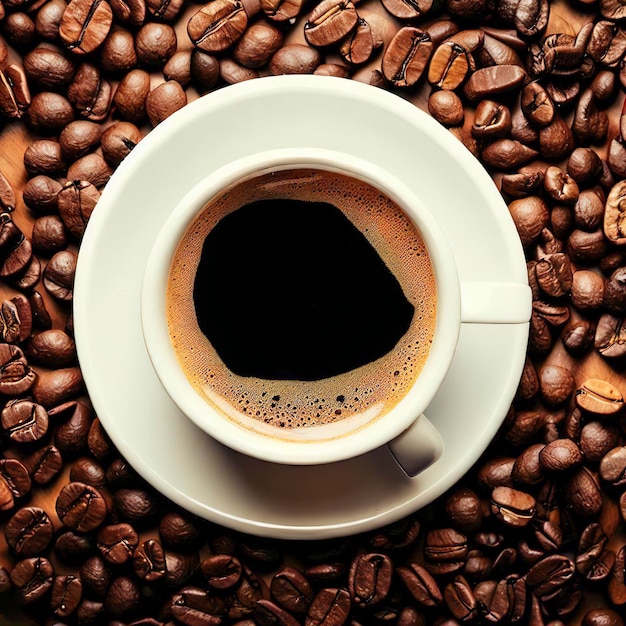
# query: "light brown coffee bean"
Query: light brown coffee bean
587,291
48,69
131,12
530,216
89,93
49,235
217,25
49,113
513,507
491,120
599,397
117,54
527,470
449,65
85,25
560,455
406,56
446,107
257,45
615,214
79,138
117,142
76,202
178,68
329,22
597,438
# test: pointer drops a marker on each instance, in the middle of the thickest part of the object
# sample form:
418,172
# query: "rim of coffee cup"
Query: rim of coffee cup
339,446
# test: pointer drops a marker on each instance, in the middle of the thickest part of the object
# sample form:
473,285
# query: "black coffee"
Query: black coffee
341,307
299,298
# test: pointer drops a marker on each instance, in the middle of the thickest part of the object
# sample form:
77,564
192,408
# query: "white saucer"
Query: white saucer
165,447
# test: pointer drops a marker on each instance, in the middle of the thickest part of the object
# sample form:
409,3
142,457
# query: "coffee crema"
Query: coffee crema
322,309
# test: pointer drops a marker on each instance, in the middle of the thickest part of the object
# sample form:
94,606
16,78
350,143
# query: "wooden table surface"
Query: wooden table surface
565,17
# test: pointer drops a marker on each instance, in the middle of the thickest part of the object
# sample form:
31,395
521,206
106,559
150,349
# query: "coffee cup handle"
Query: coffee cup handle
418,447
495,303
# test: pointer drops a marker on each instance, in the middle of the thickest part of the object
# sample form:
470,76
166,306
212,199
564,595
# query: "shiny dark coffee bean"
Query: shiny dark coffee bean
44,464
330,606
66,595
81,507
32,578
24,421
123,596
95,576
420,584
291,590
89,93
29,531
329,22
54,387
117,543
163,100
369,580
149,561
178,531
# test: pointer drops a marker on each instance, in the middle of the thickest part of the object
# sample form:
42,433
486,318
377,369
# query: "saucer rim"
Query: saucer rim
89,363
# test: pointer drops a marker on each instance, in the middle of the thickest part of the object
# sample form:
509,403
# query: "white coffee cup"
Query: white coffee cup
411,438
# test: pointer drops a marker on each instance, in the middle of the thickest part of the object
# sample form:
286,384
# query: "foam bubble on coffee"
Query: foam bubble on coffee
289,405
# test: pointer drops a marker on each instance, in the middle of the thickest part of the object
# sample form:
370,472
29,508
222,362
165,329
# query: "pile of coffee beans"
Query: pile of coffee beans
535,533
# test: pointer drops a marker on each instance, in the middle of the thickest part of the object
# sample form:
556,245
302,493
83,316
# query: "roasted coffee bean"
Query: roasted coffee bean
49,235
178,68
359,45
131,12
136,505
332,69
24,421
556,140
420,584
597,438
180,568
602,617
530,216
217,25
76,201
507,154
15,319
29,531
537,105
91,168
178,531
607,44
560,186
89,93
7,195
527,469
590,124
44,464
73,548
81,507
584,166
257,45
117,54
329,22
266,612
554,274
589,210
163,9
295,58
549,574
582,493
617,582
49,113
288,587
130,95
281,10
487,82
40,194
529,383
585,247
404,10
330,607
610,337
406,56
449,65
205,70
19,30
445,550
15,482
48,18
513,507
117,543
44,157
85,25
164,100
613,466
369,580
149,561
491,120
95,576
123,596
556,384
155,44
51,348
74,421
66,595
98,442
59,275
32,578
560,455
86,470
14,91
522,183
615,214
232,73
193,605
599,397
459,599
464,509
446,107
48,69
